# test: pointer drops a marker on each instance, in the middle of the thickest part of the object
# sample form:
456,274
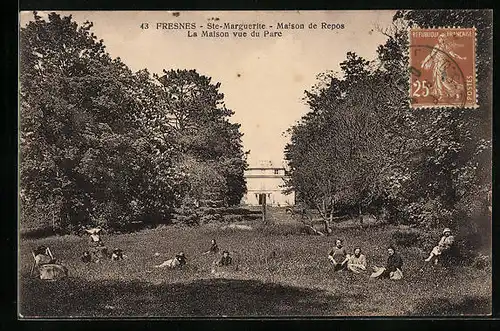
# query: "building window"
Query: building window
276,171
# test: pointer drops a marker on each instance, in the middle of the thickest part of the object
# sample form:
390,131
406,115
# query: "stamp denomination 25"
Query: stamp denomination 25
443,67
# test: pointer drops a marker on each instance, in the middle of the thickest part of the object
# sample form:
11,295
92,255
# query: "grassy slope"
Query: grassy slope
299,281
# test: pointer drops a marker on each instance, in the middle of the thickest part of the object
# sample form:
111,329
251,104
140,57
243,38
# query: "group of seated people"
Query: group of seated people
356,262
393,269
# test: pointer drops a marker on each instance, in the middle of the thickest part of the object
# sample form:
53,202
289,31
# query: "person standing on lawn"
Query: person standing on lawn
338,256
393,269
356,262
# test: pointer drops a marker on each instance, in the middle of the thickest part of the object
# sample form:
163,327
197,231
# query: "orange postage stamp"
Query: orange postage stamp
443,67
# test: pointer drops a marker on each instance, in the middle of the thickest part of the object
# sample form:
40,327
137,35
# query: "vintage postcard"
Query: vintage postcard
254,164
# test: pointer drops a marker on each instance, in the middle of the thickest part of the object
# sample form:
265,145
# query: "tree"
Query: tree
337,152
361,143
84,145
193,110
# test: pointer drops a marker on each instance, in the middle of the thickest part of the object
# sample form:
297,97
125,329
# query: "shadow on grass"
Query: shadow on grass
207,297
468,305
37,233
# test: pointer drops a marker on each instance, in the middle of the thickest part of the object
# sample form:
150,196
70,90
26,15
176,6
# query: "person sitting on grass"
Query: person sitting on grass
356,262
214,249
338,256
43,255
95,238
97,247
225,260
393,268
86,257
178,261
443,246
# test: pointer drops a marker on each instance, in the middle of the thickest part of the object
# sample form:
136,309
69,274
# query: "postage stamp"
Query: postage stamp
443,67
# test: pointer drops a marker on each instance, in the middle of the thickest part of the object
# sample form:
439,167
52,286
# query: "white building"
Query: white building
266,178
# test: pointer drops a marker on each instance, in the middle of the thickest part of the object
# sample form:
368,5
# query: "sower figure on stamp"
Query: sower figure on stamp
438,60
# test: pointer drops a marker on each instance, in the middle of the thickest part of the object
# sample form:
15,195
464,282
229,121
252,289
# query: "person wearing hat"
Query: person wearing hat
444,245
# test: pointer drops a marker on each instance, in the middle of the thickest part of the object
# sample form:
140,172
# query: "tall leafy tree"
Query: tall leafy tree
193,110
84,149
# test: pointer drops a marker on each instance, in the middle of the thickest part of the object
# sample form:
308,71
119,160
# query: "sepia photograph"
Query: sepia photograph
255,164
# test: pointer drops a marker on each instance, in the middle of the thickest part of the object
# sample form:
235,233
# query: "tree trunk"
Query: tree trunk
360,215
264,218
329,221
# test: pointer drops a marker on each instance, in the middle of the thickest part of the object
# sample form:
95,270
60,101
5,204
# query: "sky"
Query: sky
263,79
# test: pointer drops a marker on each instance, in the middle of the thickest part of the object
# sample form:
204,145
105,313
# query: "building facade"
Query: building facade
266,181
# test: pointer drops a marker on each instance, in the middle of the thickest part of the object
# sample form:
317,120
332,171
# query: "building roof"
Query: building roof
265,164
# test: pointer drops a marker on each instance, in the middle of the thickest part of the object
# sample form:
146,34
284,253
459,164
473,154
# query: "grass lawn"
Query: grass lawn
297,281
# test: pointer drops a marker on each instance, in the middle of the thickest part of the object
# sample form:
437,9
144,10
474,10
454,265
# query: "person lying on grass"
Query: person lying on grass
356,262
443,246
338,256
393,268
178,261
213,248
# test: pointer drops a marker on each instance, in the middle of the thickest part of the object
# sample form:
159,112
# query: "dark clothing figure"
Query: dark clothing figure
225,260
181,258
214,249
393,268
394,262
117,254
86,257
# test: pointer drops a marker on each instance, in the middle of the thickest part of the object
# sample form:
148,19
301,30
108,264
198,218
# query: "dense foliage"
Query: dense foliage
102,145
361,146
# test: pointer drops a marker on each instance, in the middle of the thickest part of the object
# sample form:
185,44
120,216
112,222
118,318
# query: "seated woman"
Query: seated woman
393,268
357,262
95,238
213,248
43,255
338,256
178,261
225,259
96,244
443,246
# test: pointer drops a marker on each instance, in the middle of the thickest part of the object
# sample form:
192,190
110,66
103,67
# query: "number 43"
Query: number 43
420,85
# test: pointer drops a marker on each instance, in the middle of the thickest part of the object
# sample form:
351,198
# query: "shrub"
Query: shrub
411,237
210,218
233,218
